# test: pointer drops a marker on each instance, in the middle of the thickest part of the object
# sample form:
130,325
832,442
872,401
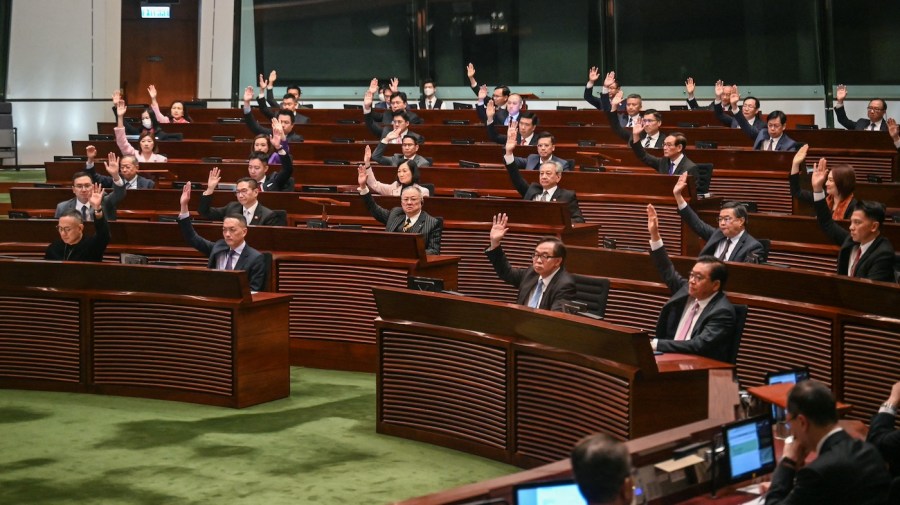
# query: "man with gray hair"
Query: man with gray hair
603,471
408,218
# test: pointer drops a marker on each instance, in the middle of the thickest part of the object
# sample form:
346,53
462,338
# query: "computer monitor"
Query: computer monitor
791,376
545,493
749,448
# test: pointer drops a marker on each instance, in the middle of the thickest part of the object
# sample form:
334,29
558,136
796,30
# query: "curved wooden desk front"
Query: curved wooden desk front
521,385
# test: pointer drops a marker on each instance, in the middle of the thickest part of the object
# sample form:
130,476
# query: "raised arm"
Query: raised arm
470,73
823,214
690,217
154,105
612,116
660,257
249,120
512,169
126,148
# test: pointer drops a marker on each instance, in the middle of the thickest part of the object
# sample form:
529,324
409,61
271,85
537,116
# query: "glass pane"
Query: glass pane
866,42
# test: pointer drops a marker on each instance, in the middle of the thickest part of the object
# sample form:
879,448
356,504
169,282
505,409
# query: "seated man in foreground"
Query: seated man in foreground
83,186
845,470
698,318
546,285
72,245
230,253
603,471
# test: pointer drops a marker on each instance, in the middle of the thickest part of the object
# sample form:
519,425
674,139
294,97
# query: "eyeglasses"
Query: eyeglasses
874,109
648,121
243,191
696,277
725,219
64,229
542,256
668,144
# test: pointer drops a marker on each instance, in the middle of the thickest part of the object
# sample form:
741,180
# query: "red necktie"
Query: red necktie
856,261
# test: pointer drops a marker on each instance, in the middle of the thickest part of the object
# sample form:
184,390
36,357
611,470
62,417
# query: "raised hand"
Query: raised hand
121,108
262,84
610,79
91,153
248,95
367,156
112,166
841,93
652,223
498,229
482,93
185,197
690,87
512,134
593,74
893,129
735,96
367,99
361,176
820,173
490,110
373,86
215,175
277,133
636,130
720,90
116,96
96,198
395,85
272,76
470,71
151,89
680,185
799,158
616,100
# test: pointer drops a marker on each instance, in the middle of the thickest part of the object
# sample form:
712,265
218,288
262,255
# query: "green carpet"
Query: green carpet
319,446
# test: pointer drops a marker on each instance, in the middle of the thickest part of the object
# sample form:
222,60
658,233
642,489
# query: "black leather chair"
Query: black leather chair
740,312
593,292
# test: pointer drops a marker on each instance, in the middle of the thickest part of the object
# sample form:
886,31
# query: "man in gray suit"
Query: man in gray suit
82,187
247,204
409,218
128,168
730,241
230,253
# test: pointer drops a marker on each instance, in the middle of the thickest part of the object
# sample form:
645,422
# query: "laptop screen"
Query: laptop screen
749,448
792,376
549,493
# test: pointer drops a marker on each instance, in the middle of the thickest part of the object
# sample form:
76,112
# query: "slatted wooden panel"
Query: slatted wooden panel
871,358
775,339
27,255
460,388
134,346
193,261
810,261
334,302
39,339
559,403
770,195
476,276
864,166
627,223
634,309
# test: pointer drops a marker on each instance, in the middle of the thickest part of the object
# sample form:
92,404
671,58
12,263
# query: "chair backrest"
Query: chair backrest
429,187
592,291
267,283
740,313
704,176
281,219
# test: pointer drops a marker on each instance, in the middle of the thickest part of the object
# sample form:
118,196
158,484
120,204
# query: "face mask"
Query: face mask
428,92
146,123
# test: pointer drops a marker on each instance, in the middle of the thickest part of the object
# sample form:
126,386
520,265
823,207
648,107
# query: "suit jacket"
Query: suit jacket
530,191
88,249
281,180
761,136
860,124
662,164
730,120
883,436
393,220
107,181
379,129
878,261
500,138
259,130
694,105
804,195
560,290
263,216
713,334
250,259
500,115
845,471
616,125
533,162
714,236
269,113
109,203
602,102
397,158
438,103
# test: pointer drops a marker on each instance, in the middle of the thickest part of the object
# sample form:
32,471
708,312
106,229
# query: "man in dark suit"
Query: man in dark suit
429,99
72,245
698,318
266,99
229,253
690,87
651,121
673,162
556,286
730,241
409,218
525,136
409,145
610,89
772,138
83,186
128,169
865,253
514,106
284,116
546,144
603,471
845,470
882,433
547,189
874,111
499,97
247,204
258,165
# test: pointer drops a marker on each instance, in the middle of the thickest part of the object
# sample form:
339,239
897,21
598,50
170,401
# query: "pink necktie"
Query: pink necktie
682,333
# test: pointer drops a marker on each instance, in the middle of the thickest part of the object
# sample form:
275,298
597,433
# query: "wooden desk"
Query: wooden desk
523,385
777,394
193,335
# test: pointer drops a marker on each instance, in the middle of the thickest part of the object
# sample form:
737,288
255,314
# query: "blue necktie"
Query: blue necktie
228,264
536,297
671,168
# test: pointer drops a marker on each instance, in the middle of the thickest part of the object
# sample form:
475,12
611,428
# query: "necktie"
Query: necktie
407,225
725,251
772,144
647,143
536,297
856,261
630,122
872,127
686,324
522,142
84,214
248,216
671,168
430,104
228,264
545,196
